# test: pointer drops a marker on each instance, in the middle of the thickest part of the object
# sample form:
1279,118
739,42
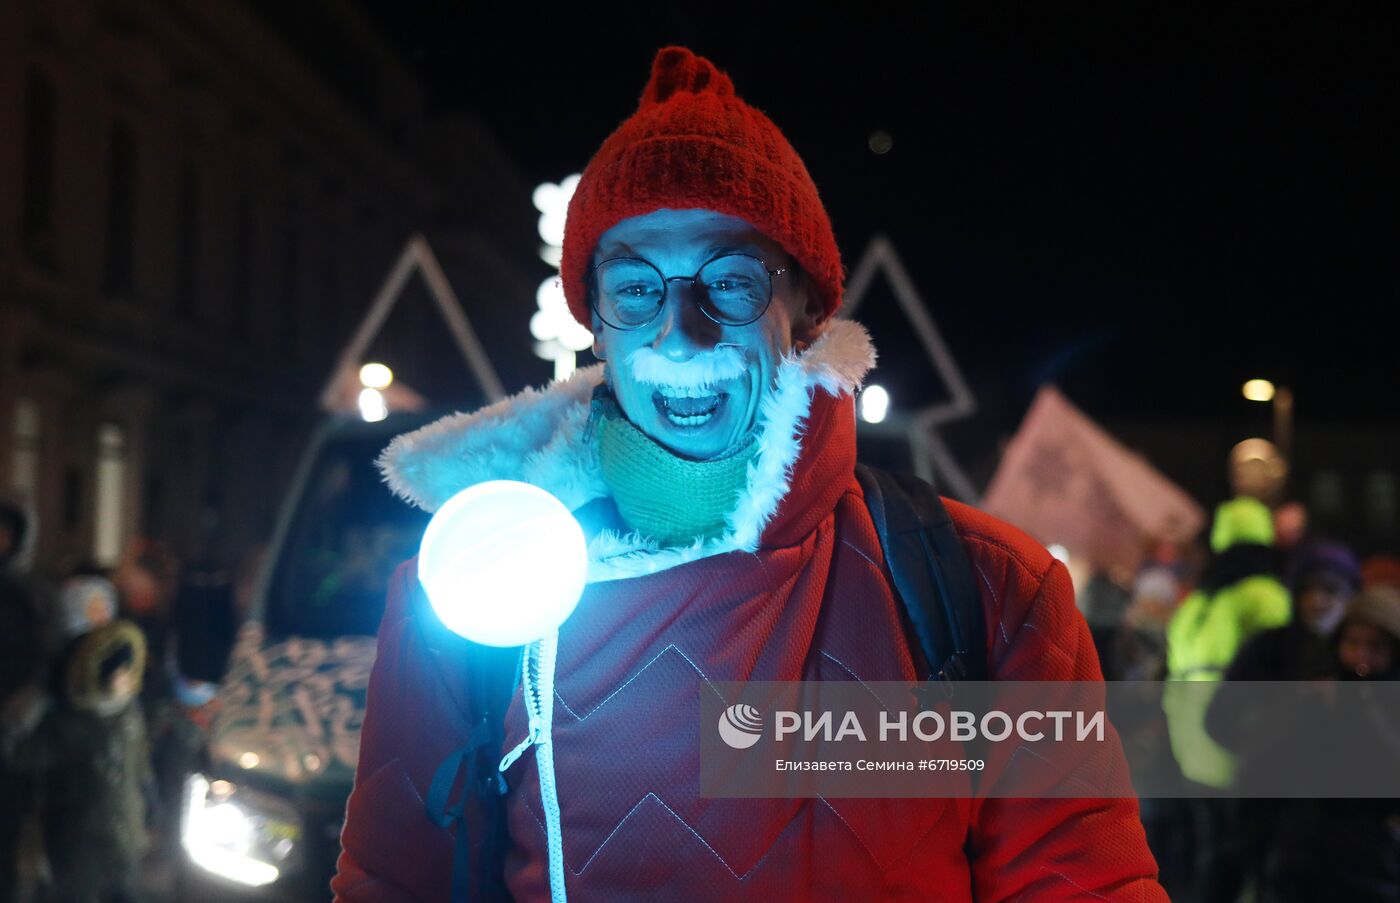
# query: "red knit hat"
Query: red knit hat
693,144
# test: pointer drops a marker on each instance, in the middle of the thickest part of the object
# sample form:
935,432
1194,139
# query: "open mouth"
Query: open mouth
688,407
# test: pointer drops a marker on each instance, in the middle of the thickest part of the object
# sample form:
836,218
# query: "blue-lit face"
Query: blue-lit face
688,382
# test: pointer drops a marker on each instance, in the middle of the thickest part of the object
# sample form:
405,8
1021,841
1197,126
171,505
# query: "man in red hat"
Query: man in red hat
711,456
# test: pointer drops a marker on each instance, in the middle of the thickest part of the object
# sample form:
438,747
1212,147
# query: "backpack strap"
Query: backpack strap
478,814
931,573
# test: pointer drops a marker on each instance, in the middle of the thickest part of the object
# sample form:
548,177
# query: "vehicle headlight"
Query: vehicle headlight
237,833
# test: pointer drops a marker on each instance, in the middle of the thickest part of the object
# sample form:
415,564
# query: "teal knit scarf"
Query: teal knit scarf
660,495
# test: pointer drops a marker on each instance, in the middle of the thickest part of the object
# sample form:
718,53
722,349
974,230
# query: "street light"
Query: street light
1259,390
373,405
874,404
376,376
1262,390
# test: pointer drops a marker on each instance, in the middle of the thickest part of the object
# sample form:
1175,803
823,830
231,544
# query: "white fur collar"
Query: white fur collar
538,437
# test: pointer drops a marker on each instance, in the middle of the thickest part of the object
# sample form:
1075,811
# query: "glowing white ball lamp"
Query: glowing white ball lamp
503,563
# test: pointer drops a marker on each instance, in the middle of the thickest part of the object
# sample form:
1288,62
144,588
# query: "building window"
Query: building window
1380,501
38,168
72,498
24,476
119,270
111,492
1328,494
243,266
187,243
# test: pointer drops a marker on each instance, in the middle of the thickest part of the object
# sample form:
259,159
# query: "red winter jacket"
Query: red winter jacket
809,600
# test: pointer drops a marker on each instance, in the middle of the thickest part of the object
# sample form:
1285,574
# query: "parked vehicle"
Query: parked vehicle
262,818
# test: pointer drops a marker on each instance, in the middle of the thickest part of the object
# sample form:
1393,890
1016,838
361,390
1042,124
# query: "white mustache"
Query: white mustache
700,371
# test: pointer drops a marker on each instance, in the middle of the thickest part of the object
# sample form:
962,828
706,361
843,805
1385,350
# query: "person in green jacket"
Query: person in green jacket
1240,593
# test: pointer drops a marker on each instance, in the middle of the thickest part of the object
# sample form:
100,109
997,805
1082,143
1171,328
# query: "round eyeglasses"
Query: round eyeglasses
732,290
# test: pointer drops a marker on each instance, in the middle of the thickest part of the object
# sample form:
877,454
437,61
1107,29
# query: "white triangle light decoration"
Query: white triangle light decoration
929,451
416,256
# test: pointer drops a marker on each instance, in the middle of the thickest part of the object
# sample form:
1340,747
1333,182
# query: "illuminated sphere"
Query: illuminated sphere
503,563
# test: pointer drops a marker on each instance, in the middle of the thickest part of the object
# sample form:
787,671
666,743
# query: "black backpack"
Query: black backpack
931,576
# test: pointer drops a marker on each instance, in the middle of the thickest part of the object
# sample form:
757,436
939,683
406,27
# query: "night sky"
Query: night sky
1143,206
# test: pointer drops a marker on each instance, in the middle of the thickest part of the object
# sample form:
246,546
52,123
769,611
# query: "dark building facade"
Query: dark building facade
192,222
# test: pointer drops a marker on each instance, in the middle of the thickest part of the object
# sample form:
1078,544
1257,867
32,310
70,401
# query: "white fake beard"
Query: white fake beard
700,372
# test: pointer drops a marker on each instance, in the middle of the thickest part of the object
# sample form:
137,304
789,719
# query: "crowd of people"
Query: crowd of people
98,720
1261,605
